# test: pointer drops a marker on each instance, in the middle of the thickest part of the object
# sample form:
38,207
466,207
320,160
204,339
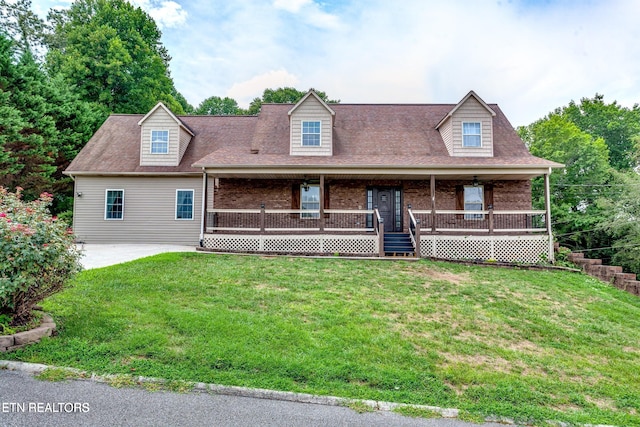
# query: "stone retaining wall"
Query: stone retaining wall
607,273
19,340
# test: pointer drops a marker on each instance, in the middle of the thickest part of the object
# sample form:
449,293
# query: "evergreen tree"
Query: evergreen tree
43,125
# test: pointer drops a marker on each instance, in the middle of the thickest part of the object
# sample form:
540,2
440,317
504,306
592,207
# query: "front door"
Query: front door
389,202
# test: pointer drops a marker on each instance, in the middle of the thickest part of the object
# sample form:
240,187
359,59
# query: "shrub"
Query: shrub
38,254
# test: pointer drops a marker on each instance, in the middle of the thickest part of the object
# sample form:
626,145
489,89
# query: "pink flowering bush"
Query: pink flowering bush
38,254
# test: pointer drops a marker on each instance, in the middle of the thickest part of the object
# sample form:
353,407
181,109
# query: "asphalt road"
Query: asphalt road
26,401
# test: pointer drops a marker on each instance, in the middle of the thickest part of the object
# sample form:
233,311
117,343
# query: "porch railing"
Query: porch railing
289,220
487,221
367,220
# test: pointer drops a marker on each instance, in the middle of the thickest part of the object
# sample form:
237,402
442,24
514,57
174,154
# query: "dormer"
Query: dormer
311,127
164,138
467,130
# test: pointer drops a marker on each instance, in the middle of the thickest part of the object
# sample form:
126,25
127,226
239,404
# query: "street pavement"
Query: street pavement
26,401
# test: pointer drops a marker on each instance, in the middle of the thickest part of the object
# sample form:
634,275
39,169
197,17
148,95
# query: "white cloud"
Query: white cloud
244,92
167,14
292,6
310,12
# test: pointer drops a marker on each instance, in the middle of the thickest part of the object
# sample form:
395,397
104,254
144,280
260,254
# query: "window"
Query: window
159,142
471,136
474,201
310,134
184,204
310,201
114,204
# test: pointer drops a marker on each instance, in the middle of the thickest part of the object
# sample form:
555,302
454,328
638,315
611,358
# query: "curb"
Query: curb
256,393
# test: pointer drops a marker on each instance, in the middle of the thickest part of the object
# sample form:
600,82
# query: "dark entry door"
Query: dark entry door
389,205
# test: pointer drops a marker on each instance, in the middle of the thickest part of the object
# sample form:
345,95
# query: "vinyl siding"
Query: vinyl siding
447,135
149,210
160,120
185,138
311,110
472,111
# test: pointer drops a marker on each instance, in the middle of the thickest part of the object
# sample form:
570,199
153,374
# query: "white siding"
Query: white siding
472,111
311,110
447,135
185,139
160,120
149,210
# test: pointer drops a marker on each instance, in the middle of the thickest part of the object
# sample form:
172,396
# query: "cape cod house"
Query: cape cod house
432,180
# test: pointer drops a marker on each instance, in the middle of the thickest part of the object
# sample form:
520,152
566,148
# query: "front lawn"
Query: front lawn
530,345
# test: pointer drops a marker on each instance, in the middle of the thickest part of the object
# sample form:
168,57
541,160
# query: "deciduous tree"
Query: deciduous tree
618,126
576,189
216,106
283,95
111,51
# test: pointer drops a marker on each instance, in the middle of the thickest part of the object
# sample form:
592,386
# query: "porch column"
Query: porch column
547,205
321,202
203,219
433,203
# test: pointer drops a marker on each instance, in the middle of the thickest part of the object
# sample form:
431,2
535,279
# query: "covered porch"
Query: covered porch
327,213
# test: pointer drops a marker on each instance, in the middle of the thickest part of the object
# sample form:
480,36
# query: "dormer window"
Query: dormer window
471,135
311,134
159,142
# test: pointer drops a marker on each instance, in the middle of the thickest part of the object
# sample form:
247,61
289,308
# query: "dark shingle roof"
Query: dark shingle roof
363,134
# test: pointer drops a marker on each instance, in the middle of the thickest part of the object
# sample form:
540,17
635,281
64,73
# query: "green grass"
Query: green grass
528,345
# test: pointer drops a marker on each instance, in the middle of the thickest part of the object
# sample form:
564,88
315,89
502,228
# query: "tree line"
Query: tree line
595,199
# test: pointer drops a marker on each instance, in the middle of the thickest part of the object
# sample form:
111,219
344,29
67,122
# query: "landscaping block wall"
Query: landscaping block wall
607,273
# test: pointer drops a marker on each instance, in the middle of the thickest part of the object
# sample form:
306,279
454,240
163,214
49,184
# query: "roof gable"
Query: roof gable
315,95
173,116
462,102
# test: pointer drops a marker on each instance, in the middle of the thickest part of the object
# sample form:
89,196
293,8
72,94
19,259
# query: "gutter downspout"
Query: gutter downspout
75,195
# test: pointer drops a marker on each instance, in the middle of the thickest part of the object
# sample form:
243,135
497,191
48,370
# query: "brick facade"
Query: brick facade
352,194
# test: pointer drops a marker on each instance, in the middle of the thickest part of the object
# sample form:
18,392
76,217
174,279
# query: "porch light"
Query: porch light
79,194
305,185
475,180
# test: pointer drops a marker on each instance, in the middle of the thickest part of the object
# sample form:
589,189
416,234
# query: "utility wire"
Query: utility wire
607,247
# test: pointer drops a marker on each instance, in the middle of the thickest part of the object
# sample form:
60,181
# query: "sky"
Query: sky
528,56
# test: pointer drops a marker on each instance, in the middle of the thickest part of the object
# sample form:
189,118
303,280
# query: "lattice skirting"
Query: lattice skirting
525,249
303,244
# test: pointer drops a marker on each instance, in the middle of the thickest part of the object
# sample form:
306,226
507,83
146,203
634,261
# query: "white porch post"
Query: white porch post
322,196
547,204
204,206
433,203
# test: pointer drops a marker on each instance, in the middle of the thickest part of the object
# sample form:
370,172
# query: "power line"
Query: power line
607,247
596,185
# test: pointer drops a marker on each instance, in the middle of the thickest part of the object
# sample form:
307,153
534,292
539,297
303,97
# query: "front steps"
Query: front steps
398,244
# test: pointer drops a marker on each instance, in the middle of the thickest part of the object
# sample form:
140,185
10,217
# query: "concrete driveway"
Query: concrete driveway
96,255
